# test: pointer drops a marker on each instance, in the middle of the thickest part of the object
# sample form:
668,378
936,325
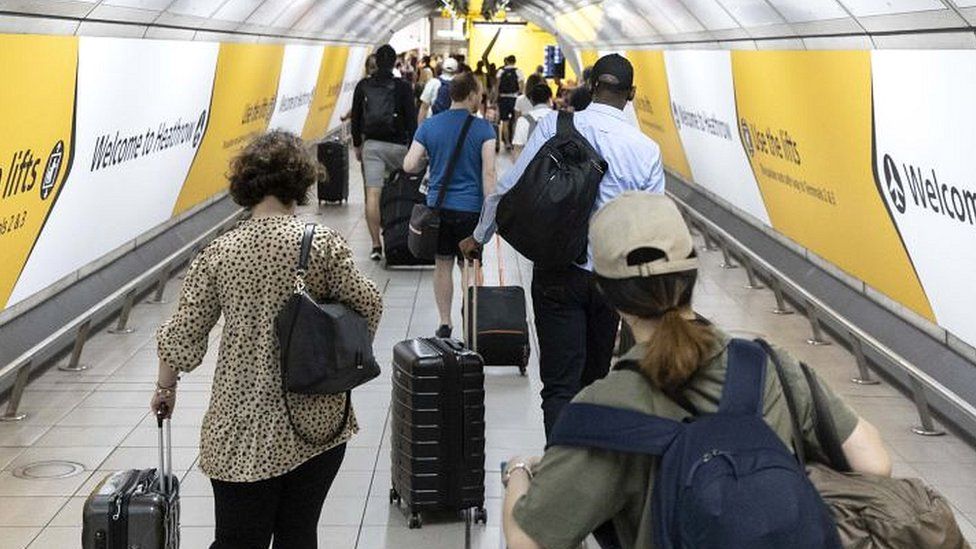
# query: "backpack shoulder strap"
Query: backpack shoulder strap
452,163
790,398
306,247
823,424
607,428
745,379
564,123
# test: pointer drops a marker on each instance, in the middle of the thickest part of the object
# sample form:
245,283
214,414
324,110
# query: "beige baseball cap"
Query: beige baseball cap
636,220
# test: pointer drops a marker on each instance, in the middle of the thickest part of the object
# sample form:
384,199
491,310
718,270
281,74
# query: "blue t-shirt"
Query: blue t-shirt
439,135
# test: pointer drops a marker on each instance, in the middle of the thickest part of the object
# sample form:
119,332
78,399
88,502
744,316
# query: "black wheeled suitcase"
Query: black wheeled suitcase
499,327
334,157
401,192
438,429
136,508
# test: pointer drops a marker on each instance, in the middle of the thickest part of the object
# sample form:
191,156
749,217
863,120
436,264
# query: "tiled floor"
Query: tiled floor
99,418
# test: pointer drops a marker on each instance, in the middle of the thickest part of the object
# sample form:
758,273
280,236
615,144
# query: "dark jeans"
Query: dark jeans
576,330
287,507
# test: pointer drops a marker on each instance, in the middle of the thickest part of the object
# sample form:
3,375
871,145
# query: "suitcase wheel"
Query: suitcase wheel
522,370
394,497
414,522
481,515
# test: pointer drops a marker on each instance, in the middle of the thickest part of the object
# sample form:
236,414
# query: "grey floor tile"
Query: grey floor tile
71,513
17,538
57,537
90,457
83,436
29,511
13,486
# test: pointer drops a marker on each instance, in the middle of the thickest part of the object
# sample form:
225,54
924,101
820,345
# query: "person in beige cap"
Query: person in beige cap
646,266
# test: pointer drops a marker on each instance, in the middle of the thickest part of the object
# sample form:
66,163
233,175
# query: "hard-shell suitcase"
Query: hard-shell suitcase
438,429
136,508
401,192
498,329
334,157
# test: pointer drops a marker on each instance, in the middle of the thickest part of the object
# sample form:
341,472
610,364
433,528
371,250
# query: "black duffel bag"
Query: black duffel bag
425,221
546,215
326,348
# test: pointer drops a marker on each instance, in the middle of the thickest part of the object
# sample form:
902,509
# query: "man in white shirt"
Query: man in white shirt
432,98
541,100
510,80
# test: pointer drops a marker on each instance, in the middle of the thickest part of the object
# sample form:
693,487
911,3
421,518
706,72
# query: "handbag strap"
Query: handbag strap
790,403
449,174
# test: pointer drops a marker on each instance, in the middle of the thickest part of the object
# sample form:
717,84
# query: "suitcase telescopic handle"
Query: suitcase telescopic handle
471,283
165,469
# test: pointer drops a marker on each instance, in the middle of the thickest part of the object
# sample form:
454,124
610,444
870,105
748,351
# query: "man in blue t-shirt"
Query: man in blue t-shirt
473,179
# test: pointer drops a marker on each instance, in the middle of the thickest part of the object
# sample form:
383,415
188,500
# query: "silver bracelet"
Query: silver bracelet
515,467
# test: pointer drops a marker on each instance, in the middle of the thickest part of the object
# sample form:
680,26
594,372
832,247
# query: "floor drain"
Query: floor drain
49,469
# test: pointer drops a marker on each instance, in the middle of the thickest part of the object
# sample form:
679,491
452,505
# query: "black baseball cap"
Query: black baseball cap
386,57
615,70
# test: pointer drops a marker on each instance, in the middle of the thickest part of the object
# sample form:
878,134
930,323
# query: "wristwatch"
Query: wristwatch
515,467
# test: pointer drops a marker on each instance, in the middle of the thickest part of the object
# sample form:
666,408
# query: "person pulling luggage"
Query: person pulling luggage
575,325
384,119
438,139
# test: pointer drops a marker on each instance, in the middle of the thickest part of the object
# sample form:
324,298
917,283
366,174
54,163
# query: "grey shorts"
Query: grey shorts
379,159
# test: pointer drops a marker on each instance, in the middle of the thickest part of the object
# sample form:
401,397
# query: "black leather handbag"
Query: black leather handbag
425,221
326,348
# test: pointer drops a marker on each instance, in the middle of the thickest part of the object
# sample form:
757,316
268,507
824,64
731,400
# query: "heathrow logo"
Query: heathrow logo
52,169
746,135
896,190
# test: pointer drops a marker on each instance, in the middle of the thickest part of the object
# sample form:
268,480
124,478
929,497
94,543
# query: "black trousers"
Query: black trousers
286,508
577,329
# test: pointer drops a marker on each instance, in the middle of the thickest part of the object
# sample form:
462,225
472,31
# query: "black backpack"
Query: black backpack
509,82
379,109
546,215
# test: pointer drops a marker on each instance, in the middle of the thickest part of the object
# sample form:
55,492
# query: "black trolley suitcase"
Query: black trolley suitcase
136,508
438,430
401,192
334,157
499,330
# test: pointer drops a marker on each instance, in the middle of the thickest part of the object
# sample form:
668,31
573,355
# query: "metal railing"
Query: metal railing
716,238
81,325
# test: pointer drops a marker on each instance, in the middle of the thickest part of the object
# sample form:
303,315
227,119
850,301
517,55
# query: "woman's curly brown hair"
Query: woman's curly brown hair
275,164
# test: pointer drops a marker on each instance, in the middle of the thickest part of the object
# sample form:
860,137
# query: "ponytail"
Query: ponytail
676,351
679,346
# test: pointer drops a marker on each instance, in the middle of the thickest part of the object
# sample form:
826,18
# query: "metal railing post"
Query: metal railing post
157,298
754,283
781,307
727,262
927,427
863,372
74,363
120,326
16,394
814,317
708,240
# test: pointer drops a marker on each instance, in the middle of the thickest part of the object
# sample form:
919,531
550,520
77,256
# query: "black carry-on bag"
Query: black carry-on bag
334,157
498,328
401,192
438,430
136,508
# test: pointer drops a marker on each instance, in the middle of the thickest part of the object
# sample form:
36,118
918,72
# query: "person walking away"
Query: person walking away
482,77
541,98
523,104
646,267
268,480
436,96
576,326
474,178
383,123
511,81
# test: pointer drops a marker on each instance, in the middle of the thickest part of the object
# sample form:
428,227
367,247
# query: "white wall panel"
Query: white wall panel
864,8
296,87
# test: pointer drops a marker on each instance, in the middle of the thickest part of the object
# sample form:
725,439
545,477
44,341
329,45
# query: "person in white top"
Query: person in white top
541,98
428,98
511,81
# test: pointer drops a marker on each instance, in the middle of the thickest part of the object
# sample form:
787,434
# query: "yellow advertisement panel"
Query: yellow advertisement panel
36,118
589,57
244,98
805,123
327,92
653,107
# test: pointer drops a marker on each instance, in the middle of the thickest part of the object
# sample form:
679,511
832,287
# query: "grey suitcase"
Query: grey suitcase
133,509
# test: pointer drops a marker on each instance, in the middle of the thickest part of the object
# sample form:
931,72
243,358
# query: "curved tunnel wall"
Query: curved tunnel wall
861,157
105,139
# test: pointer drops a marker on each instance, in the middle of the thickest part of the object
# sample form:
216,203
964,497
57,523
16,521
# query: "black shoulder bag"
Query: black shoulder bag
425,221
326,348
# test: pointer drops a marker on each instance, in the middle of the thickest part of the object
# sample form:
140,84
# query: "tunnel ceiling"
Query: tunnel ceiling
579,22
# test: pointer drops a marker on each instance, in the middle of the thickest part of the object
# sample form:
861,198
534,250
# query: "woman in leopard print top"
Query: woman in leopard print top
267,480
